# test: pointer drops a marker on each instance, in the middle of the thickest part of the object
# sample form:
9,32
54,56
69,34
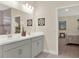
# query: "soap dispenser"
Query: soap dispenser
23,32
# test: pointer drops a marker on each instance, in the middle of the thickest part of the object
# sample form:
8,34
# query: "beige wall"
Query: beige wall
50,31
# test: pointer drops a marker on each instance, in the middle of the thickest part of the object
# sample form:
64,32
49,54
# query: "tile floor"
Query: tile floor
47,55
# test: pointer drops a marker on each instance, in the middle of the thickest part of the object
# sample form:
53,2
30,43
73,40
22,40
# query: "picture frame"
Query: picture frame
62,35
41,21
29,22
62,25
78,24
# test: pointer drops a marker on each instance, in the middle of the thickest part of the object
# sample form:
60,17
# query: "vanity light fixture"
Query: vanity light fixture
30,6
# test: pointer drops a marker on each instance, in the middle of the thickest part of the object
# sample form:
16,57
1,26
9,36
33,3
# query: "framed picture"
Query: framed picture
78,24
41,21
29,22
17,27
62,35
62,25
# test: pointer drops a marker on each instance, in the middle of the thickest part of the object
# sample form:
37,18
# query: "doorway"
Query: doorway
68,31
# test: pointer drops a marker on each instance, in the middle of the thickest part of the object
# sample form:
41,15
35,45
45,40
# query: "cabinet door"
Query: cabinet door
19,52
34,48
40,45
37,47
13,53
25,51
17,49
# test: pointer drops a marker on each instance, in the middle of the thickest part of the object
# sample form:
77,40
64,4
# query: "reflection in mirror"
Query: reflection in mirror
5,20
12,20
23,17
17,22
69,16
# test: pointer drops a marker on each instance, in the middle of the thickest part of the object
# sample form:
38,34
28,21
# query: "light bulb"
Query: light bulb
26,5
29,6
66,9
32,8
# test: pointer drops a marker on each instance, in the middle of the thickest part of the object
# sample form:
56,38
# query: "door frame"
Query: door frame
73,5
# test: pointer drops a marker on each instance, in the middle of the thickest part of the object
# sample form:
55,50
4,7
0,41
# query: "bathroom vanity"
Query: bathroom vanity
21,47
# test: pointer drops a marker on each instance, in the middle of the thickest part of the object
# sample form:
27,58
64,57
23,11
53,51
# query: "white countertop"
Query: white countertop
14,38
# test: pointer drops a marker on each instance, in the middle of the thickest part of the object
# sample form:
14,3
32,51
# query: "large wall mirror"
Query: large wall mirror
13,20
9,20
5,20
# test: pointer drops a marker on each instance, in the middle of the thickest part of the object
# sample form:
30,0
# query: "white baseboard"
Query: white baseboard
51,52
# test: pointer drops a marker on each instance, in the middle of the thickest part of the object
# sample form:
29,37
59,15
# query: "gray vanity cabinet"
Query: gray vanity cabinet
18,49
37,45
25,48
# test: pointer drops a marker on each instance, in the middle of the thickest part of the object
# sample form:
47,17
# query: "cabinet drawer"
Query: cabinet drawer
15,44
37,38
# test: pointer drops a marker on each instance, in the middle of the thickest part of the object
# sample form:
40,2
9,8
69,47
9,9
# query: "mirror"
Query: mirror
17,22
7,15
13,20
5,20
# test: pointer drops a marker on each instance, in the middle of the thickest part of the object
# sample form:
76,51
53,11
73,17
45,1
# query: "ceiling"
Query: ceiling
55,4
51,3
69,11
